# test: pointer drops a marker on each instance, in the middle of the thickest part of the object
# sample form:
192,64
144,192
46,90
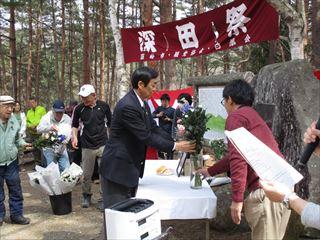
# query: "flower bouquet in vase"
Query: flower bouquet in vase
195,124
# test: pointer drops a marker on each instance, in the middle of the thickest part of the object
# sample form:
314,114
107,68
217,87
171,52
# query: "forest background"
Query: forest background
49,48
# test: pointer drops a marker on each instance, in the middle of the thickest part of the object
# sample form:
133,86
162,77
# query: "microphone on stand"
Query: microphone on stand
307,151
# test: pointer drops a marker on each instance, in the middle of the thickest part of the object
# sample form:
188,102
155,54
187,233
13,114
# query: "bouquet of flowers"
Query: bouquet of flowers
195,124
51,182
49,139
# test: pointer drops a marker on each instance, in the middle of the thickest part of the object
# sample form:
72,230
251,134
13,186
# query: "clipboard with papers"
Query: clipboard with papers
268,165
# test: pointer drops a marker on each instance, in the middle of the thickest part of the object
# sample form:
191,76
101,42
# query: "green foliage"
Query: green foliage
219,148
216,123
195,123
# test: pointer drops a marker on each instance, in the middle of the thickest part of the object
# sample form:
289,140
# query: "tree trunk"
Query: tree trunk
123,13
28,81
113,88
174,10
109,59
146,9
166,16
200,59
315,32
70,55
38,53
102,22
295,25
13,51
19,78
63,40
272,52
86,41
49,77
122,76
3,81
55,46
94,47
146,12
95,64
226,61
78,70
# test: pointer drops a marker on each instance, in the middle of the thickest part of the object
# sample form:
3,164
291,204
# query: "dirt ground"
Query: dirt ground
83,223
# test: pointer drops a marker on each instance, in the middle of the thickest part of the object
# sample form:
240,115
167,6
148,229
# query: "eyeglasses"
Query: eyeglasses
223,101
7,106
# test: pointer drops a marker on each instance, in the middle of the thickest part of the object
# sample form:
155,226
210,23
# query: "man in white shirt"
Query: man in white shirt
59,122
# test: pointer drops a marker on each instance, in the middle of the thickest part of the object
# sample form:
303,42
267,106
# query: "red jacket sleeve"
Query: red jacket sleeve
221,166
238,165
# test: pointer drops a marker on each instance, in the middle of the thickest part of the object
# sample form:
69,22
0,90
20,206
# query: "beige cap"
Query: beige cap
5,99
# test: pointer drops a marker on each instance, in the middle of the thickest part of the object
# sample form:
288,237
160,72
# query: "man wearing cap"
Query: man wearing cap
34,115
59,122
10,140
95,115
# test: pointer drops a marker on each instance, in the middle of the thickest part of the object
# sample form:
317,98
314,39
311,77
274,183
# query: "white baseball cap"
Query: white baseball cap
86,90
5,99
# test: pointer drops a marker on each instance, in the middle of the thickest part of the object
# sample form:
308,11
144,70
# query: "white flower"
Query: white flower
200,106
180,127
185,116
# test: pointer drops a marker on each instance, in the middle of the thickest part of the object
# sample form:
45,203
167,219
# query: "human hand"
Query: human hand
236,208
310,136
204,171
186,146
272,192
166,119
28,146
54,128
160,114
75,143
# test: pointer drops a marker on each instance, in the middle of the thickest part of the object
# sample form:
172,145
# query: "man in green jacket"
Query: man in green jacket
10,140
34,115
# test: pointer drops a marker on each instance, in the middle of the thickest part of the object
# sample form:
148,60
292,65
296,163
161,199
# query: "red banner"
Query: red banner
173,94
235,24
317,74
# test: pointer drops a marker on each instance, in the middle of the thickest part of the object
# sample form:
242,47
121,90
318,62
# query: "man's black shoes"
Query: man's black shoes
20,220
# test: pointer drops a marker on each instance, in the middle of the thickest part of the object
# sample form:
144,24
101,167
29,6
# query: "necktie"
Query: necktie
144,108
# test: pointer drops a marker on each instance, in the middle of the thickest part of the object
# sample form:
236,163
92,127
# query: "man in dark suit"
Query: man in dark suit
132,130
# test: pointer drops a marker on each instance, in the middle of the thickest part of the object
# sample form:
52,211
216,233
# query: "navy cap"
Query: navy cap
58,106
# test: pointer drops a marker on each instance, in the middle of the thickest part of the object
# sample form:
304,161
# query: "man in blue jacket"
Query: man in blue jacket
10,140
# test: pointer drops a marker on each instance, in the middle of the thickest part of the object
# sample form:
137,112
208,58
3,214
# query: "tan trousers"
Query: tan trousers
89,157
267,220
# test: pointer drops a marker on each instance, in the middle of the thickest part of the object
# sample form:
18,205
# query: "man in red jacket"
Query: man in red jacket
267,220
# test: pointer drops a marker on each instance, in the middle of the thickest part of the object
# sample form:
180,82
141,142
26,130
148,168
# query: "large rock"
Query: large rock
223,221
295,91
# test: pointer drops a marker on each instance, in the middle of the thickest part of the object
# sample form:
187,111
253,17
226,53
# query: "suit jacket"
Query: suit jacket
132,130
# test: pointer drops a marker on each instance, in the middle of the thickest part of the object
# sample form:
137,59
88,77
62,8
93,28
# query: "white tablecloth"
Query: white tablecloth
173,195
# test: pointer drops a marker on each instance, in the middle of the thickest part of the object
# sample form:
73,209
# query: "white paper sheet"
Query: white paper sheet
266,163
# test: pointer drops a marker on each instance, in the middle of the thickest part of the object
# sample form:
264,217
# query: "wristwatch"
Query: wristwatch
286,199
